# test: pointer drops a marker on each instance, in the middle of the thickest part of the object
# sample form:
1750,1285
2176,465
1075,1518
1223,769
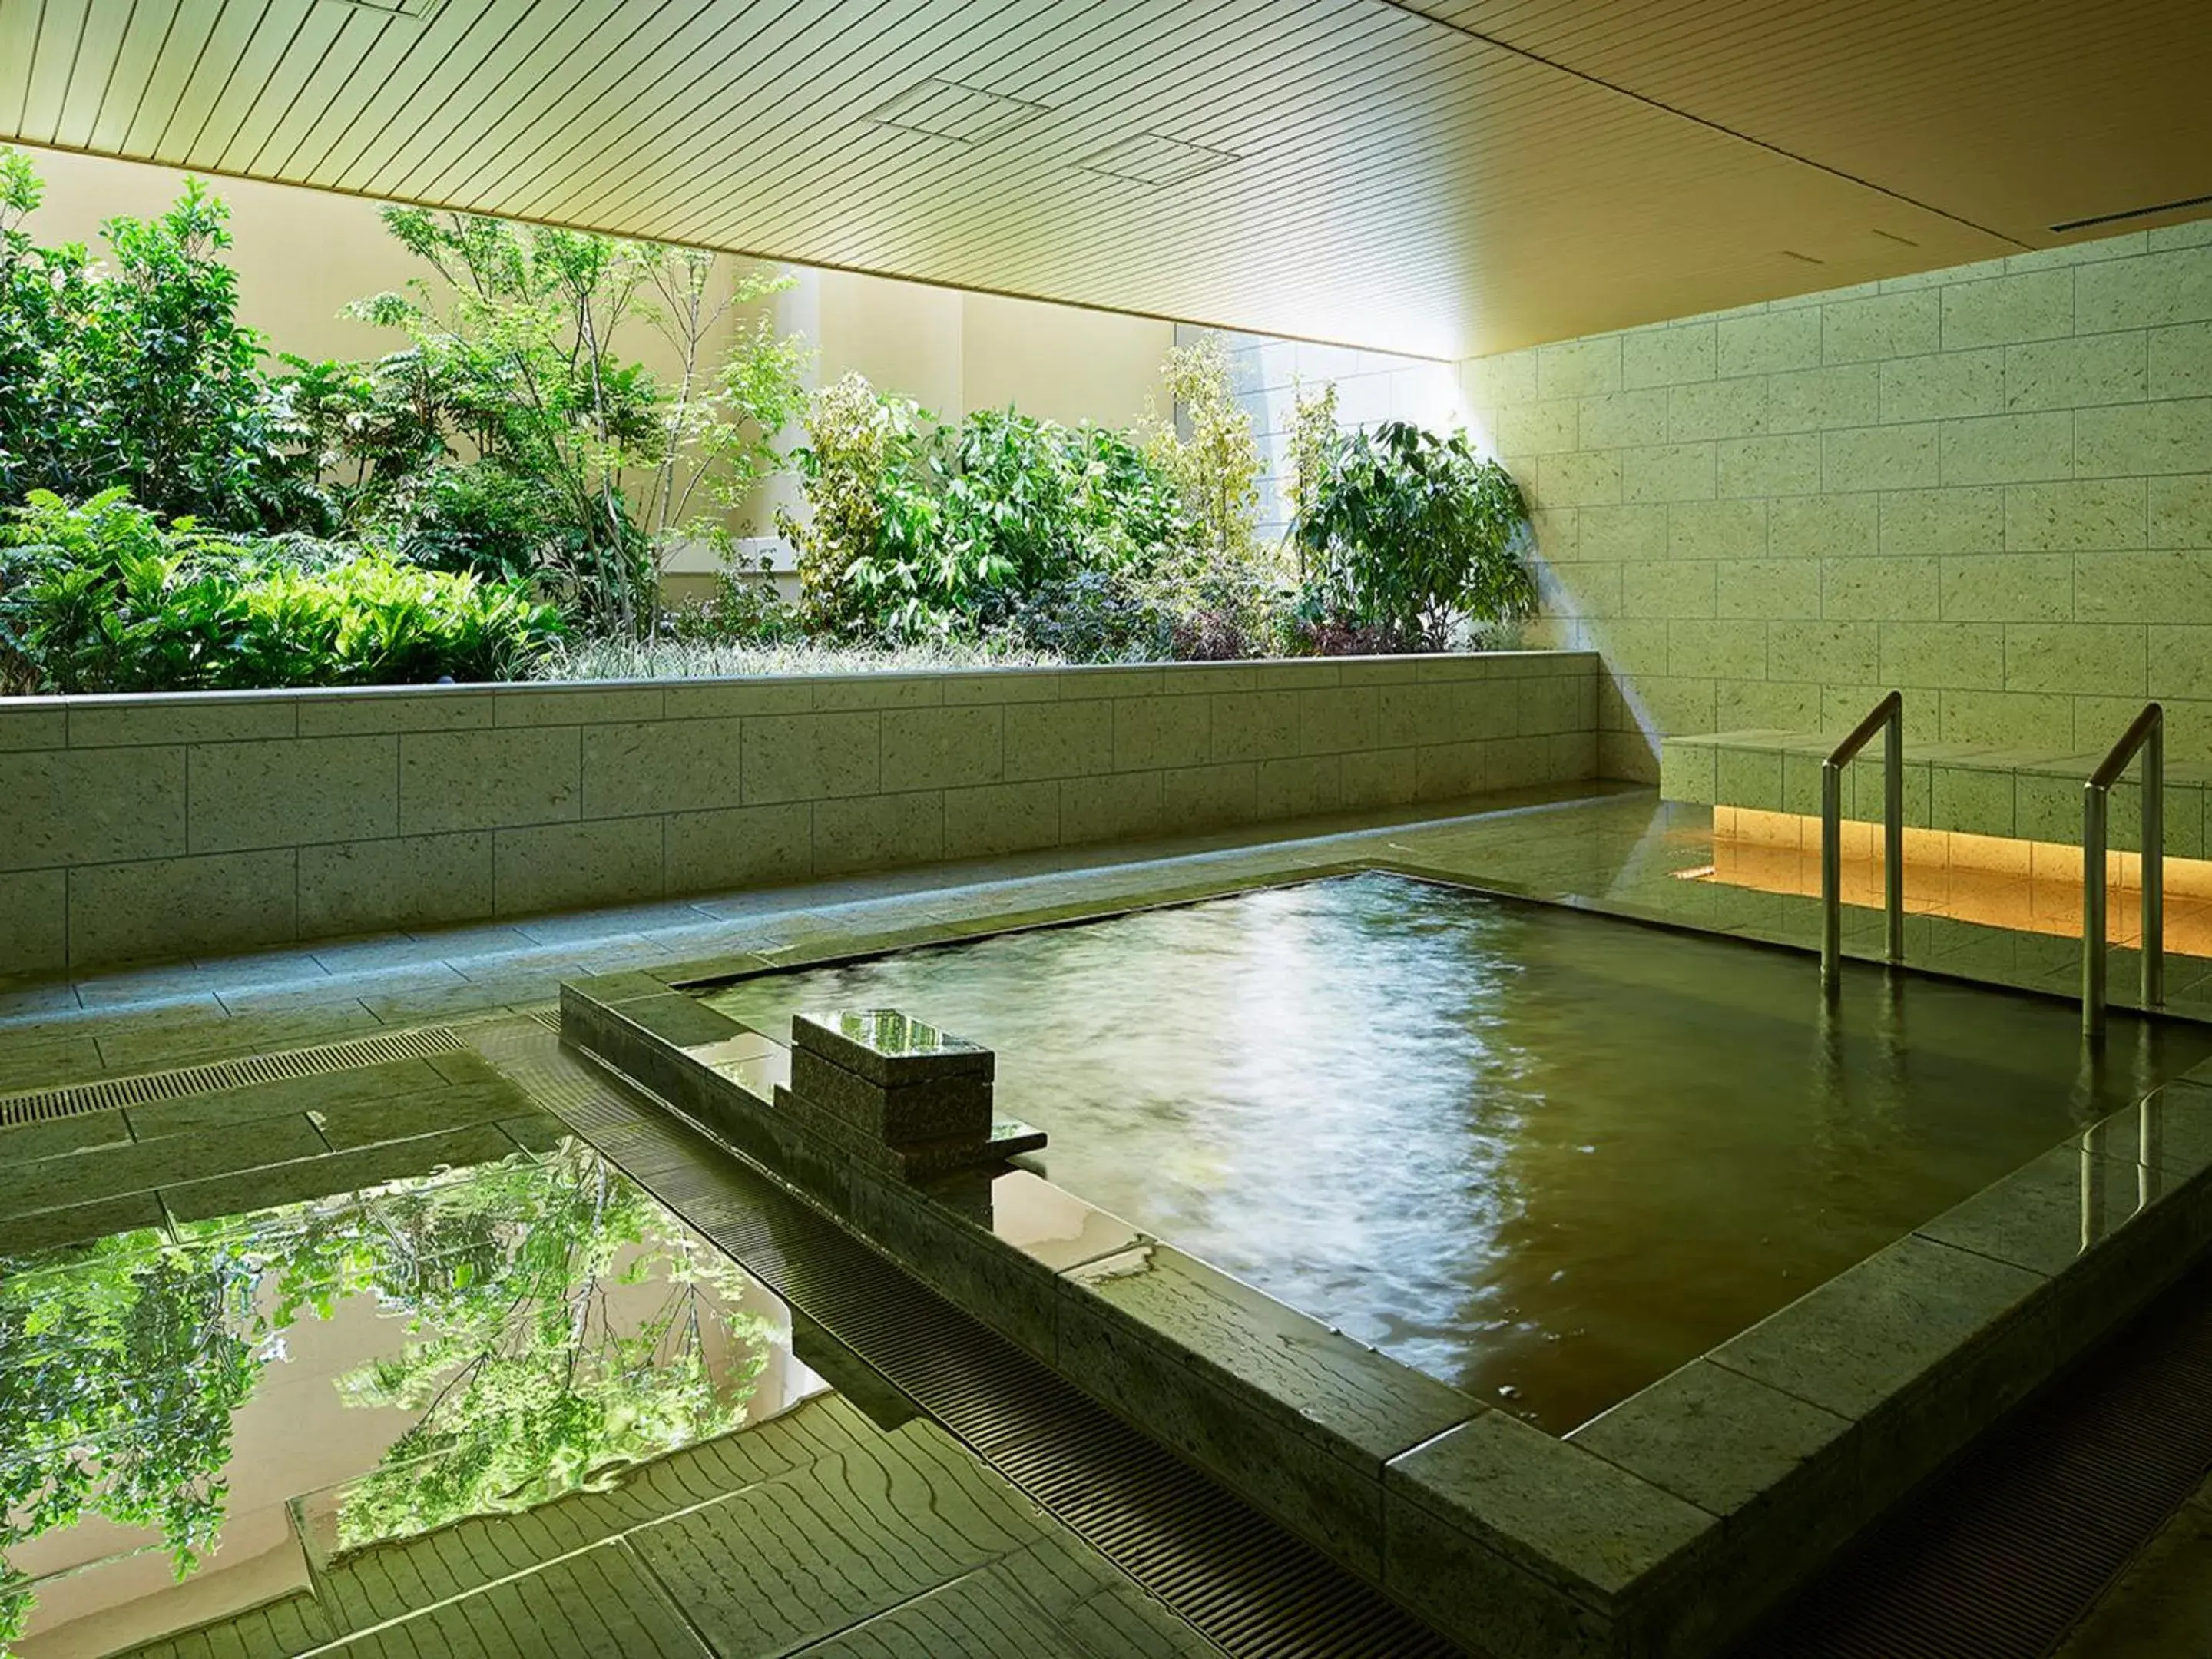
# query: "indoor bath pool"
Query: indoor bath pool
1543,1155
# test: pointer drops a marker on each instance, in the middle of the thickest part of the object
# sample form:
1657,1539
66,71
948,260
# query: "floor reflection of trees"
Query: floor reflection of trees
555,1325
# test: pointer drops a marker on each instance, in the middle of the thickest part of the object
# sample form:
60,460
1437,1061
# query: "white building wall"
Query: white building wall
1372,387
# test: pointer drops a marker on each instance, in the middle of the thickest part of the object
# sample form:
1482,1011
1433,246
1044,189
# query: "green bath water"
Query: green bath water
1544,1155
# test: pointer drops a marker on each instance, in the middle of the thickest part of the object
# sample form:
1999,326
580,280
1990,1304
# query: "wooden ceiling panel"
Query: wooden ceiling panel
1441,177
2015,114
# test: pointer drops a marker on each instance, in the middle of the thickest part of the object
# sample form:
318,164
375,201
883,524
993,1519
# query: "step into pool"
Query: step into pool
1543,1155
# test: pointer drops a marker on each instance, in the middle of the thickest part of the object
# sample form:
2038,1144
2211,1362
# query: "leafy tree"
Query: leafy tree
512,438
138,374
862,447
1314,439
1208,449
1411,538
922,529
1227,595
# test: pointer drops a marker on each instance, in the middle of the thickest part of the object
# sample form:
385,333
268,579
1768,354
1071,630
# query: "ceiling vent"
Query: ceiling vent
946,109
1150,158
420,10
2120,217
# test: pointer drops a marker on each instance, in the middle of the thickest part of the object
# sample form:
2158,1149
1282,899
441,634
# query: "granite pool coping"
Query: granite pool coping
1670,1524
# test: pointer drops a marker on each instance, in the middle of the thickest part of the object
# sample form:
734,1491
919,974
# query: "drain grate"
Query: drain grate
44,1105
1250,1587
2003,1557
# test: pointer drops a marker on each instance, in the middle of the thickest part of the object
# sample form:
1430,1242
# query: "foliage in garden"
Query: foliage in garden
429,513
105,597
513,439
1411,539
135,374
922,529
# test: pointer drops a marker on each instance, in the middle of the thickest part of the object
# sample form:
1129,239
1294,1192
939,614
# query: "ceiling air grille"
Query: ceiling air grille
1151,158
420,10
2183,205
946,109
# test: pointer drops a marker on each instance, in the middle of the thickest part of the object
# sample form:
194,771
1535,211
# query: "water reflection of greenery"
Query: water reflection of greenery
120,1371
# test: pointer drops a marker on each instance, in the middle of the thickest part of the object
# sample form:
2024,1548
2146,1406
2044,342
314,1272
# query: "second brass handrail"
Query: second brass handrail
2146,733
1888,712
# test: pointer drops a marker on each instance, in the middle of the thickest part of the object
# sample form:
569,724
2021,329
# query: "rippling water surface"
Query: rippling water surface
1543,1155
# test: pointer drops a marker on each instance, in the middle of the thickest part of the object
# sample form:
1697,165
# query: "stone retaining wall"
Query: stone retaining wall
144,828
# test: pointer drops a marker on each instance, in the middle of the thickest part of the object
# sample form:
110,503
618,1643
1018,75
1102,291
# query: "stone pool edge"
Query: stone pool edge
1670,1524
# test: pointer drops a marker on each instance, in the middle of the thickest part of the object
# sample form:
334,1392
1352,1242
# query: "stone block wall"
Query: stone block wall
1991,487
147,828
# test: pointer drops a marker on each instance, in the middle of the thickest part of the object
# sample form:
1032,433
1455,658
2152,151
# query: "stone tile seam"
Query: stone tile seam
441,1603
507,827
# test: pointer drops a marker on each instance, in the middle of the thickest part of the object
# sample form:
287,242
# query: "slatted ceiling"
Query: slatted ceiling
834,157
394,134
99,41
1402,171
181,113
735,102
237,137
334,94
324,95
278,36
508,107
1396,182
368,152
823,147
1214,55
1407,156
152,106
1998,110
105,123
580,133
545,77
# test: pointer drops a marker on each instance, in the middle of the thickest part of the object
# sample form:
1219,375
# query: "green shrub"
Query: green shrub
926,530
105,598
513,437
1410,540
1094,615
136,375
745,608
1225,592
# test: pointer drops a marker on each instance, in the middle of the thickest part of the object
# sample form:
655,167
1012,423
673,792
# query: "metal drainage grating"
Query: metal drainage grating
44,1105
1246,1584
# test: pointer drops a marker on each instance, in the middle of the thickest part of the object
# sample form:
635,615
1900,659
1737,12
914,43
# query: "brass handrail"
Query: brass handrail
1888,712
2147,734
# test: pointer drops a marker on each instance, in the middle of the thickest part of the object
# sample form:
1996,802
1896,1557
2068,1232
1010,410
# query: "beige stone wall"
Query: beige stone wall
1991,487
143,828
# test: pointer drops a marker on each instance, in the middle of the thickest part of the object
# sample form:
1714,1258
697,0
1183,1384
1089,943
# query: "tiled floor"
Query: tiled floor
800,1552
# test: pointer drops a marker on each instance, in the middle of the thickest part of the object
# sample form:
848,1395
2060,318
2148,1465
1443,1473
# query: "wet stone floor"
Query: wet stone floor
277,1358
385,1361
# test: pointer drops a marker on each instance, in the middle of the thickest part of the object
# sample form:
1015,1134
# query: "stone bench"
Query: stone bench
1764,785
